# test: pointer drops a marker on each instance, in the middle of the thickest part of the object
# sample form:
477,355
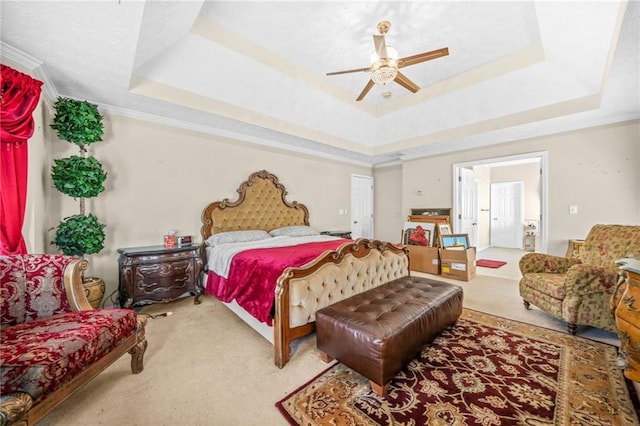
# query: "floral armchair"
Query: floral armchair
579,291
52,340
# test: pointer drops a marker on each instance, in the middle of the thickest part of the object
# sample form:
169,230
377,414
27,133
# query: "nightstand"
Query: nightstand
341,234
156,274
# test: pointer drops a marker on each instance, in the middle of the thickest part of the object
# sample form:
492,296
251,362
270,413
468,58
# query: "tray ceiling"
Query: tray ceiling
256,70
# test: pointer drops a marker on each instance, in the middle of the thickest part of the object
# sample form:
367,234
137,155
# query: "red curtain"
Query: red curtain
19,95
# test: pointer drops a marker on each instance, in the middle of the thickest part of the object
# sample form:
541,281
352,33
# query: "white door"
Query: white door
506,214
361,206
468,214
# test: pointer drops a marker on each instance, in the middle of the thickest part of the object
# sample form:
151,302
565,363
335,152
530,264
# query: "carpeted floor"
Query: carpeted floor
484,370
205,367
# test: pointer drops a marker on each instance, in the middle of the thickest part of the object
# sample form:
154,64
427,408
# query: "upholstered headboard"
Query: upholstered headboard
260,205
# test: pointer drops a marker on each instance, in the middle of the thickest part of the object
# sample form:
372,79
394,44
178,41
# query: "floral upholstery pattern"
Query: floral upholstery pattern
578,291
32,287
50,335
38,356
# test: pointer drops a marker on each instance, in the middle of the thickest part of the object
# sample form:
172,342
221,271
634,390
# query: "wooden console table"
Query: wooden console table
158,275
626,309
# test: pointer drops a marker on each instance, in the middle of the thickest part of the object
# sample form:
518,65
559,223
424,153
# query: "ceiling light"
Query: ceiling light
384,70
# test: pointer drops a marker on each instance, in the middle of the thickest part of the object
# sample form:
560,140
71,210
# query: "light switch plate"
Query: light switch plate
573,209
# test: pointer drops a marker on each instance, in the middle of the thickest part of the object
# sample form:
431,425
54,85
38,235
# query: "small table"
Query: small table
574,249
155,274
341,234
626,310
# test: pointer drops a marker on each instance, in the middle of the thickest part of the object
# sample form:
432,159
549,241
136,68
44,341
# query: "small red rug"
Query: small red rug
486,263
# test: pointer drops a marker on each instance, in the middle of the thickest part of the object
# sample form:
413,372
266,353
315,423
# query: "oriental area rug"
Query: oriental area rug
485,370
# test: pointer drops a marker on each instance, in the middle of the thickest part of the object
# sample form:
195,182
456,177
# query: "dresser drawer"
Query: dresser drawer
156,275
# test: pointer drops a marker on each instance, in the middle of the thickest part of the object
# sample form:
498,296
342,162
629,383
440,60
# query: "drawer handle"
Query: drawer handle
629,302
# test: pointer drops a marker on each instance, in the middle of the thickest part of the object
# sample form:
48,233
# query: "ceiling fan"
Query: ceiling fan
385,64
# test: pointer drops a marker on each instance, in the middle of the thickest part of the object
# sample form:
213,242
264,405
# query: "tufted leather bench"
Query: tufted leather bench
378,332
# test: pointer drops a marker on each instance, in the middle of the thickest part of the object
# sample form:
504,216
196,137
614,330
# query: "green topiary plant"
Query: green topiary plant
80,177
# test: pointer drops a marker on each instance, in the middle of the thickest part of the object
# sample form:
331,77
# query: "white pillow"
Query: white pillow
237,237
293,231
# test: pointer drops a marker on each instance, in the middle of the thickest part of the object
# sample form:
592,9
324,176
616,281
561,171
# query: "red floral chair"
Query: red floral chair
579,291
52,340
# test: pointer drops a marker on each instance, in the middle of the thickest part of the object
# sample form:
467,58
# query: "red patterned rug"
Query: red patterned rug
485,370
486,263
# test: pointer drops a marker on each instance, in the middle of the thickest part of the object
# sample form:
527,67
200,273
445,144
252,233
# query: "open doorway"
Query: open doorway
472,204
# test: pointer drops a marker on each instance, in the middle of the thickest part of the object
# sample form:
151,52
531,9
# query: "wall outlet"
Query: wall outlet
573,209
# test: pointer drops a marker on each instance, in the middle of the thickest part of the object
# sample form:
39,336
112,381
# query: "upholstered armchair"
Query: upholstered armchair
579,291
52,341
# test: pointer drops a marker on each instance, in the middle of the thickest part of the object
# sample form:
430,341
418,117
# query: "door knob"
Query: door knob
355,221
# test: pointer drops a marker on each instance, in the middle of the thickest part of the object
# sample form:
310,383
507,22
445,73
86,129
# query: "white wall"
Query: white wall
595,169
161,178
388,214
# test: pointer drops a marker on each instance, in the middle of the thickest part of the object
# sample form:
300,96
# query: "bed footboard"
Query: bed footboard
350,269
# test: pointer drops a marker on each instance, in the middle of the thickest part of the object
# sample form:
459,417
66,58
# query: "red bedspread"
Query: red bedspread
253,275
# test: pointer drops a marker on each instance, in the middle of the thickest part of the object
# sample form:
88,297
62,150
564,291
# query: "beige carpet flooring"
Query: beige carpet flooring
204,366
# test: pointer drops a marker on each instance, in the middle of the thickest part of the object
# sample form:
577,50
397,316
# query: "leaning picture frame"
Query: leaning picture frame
454,241
418,234
444,229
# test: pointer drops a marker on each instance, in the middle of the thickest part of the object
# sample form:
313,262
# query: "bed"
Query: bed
338,269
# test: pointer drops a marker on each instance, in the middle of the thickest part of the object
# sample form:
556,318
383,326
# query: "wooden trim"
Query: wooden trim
73,285
283,333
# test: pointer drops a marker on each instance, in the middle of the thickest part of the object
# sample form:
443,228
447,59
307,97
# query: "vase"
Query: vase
94,290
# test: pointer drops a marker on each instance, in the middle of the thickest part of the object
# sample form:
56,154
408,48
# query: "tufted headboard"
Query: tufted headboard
260,205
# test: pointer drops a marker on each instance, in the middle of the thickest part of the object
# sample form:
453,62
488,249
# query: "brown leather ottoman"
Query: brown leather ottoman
379,331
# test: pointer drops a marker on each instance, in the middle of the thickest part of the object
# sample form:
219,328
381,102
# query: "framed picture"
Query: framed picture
444,229
418,234
454,241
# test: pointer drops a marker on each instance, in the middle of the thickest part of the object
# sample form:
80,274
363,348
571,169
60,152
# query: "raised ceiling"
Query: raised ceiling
256,70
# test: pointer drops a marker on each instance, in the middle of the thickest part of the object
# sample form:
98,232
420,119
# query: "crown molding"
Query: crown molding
35,65
171,122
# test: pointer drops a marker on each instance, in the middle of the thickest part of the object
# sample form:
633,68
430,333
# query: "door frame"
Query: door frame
543,157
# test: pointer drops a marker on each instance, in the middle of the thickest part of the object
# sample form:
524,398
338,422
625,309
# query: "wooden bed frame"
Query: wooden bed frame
351,268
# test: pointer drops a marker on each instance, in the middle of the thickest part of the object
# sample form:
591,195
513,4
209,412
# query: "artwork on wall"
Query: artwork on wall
454,241
419,234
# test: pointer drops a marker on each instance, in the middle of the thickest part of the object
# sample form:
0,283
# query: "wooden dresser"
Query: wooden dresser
626,308
158,275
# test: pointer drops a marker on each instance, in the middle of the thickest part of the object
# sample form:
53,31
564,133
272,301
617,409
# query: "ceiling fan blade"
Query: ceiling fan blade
422,57
348,71
366,89
380,45
403,81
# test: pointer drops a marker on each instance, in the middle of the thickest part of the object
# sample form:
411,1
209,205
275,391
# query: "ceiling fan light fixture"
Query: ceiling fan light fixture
384,75
384,70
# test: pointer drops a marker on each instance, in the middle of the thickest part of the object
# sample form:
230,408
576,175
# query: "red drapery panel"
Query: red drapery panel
19,95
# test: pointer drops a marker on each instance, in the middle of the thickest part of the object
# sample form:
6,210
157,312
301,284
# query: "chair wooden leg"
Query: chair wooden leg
137,352
527,305
572,328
